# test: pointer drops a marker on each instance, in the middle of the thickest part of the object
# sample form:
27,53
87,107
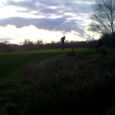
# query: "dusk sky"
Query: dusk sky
46,20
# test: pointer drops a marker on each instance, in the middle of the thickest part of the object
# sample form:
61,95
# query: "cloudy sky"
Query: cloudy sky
46,20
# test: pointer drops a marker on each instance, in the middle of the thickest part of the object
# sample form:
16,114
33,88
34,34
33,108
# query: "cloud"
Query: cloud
52,15
58,24
44,6
17,35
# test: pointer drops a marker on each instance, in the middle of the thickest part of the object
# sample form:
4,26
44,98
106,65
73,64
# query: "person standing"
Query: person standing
62,43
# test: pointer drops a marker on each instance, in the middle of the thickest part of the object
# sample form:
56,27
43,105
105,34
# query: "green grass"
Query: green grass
39,51
13,62
50,80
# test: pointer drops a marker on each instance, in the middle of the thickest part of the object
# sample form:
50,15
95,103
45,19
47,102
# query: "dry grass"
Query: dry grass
78,84
66,85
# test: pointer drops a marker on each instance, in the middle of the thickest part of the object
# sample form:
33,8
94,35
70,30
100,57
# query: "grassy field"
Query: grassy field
13,62
57,82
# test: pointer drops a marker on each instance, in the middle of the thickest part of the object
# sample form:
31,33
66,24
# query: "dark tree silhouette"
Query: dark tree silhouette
27,42
103,17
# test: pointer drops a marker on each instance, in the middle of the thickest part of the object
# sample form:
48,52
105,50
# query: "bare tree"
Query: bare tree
27,42
103,19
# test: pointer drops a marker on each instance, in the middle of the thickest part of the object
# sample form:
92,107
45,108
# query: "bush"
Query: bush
108,40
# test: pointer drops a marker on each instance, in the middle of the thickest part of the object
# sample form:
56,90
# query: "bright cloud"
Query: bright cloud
18,0
2,2
44,19
18,35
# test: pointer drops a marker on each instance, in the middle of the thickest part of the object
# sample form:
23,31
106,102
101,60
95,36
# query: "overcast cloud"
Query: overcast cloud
51,15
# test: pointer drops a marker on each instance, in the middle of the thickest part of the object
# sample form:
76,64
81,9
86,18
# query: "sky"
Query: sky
46,20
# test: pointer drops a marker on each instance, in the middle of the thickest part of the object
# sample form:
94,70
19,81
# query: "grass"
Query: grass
50,81
13,62
10,63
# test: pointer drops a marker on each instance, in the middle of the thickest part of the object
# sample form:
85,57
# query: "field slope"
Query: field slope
56,82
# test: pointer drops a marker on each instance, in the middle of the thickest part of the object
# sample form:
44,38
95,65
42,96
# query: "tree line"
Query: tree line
27,45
